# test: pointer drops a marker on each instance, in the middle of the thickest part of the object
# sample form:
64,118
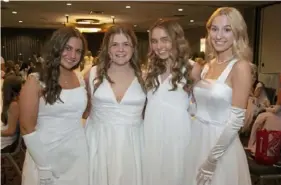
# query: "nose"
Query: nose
120,47
219,34
159,45
73,54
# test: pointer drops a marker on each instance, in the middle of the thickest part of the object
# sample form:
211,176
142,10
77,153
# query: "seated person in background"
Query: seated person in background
270,120
10,111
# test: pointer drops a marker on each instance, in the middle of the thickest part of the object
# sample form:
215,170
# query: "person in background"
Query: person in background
270,120
10,111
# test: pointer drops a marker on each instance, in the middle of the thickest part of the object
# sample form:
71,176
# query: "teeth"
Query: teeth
162,52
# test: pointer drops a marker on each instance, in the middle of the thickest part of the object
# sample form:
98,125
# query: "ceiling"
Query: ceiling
51,14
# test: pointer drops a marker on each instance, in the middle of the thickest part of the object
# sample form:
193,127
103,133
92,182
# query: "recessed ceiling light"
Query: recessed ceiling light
6,1
160,19
112,17
135,25
191,20
180,9
68,4
148,31
20,21
14,12
128,6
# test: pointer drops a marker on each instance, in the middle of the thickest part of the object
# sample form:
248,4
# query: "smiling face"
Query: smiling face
161,43
120,49
72,53
221,34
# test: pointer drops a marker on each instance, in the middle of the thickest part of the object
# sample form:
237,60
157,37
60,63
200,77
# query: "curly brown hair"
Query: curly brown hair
181,68
103,59
50,73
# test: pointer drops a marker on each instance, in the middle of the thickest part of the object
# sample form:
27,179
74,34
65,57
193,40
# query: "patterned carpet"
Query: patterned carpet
10,177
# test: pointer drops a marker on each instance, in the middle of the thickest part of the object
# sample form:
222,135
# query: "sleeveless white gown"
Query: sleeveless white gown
213,100
167,134
63,136
114,132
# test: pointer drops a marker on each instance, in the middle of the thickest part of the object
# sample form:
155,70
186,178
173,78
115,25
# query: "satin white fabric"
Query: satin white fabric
213,100
115,134
60,130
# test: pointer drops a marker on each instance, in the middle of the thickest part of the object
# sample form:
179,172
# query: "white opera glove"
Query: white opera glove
36,150
234,123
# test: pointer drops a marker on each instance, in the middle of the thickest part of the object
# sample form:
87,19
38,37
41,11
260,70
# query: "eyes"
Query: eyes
225,29
125,44
69,48
163,40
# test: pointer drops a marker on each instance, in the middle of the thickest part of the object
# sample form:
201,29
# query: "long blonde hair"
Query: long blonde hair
179,56
240,47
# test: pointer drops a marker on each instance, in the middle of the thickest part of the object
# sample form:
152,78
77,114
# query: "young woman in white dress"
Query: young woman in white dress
51,106
216,153
167,120
117,97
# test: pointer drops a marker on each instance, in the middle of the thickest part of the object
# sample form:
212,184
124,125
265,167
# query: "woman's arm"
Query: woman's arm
29,104
88,108
13,118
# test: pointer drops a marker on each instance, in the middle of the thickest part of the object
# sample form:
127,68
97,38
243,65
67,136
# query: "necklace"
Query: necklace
225,60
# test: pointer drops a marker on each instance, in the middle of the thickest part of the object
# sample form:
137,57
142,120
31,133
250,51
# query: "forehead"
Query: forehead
220,20
158,33
75,42
120,38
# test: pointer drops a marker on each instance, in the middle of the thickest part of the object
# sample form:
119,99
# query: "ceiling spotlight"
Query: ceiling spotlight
14,12
68,4
191,20
128,6
135,25
180,9
6,1
20,21
148,31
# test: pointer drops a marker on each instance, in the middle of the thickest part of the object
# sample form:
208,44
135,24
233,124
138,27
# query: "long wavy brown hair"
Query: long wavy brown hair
104,61
181,68
240,47
50,73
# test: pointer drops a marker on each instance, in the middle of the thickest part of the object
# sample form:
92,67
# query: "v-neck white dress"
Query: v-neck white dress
166,135
114,133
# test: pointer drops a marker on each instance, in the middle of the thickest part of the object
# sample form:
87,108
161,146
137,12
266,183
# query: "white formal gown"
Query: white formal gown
114,133
166,134
213,100
63,137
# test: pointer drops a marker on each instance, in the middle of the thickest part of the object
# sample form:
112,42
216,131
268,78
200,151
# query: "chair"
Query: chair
10,155
263,173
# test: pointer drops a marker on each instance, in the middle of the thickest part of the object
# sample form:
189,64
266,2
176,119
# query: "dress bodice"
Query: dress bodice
214,97
65,114
105,108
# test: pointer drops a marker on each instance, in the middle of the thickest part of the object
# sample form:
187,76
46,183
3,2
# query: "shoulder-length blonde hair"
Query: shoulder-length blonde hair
240,47
103,59
180,68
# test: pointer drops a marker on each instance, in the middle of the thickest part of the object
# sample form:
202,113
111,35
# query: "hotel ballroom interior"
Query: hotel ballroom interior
26,26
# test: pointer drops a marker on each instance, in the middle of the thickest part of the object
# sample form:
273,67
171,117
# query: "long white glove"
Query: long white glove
36,149
235,122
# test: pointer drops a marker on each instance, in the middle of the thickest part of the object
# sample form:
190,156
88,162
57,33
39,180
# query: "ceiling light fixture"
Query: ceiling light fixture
87,21
68,4
180,9
6,1
128,6
191,20
135,25
14,12
20,21
88,30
